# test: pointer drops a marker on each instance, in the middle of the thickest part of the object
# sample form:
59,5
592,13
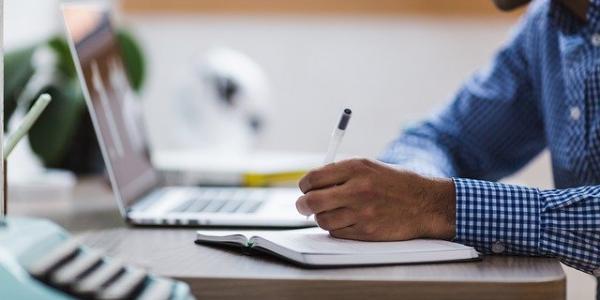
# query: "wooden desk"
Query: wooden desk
219,274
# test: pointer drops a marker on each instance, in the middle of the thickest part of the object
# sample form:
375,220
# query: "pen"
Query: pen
336,139
337,135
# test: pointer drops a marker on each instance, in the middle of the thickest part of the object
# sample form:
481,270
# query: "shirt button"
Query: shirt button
498,247
596,39
575,113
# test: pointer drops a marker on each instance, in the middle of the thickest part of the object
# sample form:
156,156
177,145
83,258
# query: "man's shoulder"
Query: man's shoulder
538,14
535,28
539,6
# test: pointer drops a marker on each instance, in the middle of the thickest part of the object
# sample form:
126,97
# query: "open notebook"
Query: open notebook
315,247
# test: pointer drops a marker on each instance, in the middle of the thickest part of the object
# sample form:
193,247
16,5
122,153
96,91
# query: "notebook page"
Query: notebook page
223,236
318,241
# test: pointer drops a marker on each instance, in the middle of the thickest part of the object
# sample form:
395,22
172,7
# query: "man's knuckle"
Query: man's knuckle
369,183
310,178
336,234
354,164
368,212
369,229
302,185
312,201
369,164
323,221
364,188
365,162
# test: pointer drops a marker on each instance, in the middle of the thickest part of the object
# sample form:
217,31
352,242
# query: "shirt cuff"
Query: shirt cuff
497,218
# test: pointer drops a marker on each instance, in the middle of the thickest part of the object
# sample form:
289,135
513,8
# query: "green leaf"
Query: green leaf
133,59
52,136
65,61
18,70
53,132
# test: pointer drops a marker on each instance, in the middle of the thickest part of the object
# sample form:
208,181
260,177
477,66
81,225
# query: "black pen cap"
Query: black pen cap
345,119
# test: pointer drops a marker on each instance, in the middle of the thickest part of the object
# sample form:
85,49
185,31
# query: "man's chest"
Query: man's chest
571,107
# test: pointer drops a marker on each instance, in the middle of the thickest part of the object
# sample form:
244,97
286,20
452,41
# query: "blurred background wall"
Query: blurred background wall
393,64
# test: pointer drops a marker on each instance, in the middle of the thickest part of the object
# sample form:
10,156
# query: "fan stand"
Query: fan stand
3,194
5,197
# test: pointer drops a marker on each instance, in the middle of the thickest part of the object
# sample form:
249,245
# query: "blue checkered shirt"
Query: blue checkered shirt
542,90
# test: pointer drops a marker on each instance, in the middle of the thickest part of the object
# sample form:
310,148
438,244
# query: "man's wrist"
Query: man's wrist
441,219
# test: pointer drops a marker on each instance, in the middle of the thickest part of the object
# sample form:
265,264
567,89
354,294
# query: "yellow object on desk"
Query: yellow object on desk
270,179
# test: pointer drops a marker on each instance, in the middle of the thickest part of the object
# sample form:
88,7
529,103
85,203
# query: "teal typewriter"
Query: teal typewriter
40,260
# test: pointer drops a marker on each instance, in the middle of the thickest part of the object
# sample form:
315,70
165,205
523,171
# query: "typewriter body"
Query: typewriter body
40,260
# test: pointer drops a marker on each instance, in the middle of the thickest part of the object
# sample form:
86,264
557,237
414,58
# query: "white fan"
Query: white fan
223,104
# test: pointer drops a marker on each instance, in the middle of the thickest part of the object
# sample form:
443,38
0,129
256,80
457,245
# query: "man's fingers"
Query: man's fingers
318,201
348,233
336,219
328,175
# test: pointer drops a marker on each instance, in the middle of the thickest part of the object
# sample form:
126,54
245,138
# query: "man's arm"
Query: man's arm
491,128
367,200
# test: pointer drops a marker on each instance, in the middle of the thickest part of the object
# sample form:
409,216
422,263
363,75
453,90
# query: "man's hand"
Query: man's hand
366,200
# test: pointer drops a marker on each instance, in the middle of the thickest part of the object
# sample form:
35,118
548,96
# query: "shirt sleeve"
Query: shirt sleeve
491,128
500,218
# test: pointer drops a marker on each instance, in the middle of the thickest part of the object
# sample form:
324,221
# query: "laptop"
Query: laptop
140,194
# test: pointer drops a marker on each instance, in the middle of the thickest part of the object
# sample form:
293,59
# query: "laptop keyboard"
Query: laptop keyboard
218,200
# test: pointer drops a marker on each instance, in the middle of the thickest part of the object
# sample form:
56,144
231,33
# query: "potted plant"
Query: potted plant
64,136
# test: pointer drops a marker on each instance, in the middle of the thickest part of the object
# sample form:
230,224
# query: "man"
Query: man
541,90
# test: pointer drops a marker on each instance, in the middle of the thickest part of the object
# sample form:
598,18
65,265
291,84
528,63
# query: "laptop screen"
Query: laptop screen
115,112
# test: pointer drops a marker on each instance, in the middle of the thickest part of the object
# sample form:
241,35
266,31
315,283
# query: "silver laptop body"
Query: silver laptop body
136,185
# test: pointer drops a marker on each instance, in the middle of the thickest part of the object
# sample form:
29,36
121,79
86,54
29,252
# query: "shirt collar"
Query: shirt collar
593,15
568,23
